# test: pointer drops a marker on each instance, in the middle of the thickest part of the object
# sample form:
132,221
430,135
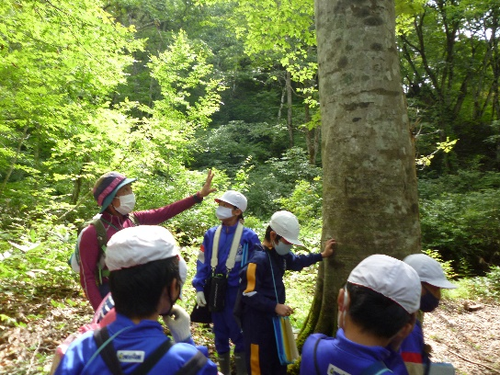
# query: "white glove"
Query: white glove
200,299
179,323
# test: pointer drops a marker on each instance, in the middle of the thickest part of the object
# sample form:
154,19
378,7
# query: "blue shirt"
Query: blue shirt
340,355
135,341
412,350
264,273
249,240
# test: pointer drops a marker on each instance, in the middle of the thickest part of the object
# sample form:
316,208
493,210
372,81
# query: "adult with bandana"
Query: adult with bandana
146,277
263,291
224,251
113,193
414,351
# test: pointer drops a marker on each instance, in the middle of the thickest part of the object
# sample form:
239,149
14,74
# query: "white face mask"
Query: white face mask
282,248
223,213
127,203
342,314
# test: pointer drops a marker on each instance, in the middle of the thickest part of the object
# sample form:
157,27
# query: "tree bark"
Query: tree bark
370,202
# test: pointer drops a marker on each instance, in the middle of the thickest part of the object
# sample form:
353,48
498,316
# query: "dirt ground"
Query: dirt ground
466,334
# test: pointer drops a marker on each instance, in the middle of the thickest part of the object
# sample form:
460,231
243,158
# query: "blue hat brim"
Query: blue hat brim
107,201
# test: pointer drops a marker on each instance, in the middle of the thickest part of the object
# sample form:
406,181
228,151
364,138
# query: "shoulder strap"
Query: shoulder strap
215,248
194,365
108,354
272,274
315,358
102,236
231,259
378,368
152,359
107,351
234,247
134,219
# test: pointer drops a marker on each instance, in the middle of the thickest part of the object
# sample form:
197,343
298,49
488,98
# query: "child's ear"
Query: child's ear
343,299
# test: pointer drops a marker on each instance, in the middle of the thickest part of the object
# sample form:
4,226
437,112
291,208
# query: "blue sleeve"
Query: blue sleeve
179,355
203,269
298,262
253,244
77,355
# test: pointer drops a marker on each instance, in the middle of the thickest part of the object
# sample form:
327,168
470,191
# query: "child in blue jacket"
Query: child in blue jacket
263,291
224,251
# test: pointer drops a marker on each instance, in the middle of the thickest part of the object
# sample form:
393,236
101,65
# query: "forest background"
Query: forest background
164,90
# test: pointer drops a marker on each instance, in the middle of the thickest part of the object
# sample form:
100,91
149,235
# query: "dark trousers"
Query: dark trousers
260,344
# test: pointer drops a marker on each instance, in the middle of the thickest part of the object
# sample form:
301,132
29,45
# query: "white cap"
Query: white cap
429,270
234,198
390,277
142,244
285,224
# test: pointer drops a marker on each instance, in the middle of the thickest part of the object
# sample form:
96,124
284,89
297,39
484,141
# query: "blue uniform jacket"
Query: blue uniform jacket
249,241
257,279
142,339
340,355
412,349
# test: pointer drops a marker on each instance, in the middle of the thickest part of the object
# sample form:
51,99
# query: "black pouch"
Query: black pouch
202,314
217,298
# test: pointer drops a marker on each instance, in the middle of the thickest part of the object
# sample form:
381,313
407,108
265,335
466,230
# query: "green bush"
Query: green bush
483,287
462,224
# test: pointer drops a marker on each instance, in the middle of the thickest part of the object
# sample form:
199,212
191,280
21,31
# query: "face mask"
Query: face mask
172,303
223,213
428,302
342,314
127,203
282,248
182,274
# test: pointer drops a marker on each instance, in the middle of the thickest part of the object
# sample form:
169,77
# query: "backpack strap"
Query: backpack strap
194,365
153,358
102,236
134,219
102,239
377,368
108,354
315,358
107,351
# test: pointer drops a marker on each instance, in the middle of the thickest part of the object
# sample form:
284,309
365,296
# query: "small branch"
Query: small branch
473,362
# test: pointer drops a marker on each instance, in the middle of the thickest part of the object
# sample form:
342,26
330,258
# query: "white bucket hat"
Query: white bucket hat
234,198
429,270
390,277
285,224
142,244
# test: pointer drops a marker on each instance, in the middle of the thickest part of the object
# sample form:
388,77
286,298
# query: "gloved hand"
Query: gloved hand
200,299
179,323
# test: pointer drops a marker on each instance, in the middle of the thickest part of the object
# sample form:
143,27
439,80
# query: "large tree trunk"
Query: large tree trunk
370,202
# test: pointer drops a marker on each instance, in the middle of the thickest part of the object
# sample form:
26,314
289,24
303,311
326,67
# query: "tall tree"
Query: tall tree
369,186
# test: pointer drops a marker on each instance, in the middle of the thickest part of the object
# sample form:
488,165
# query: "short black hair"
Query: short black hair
375,313
268,234
137,290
